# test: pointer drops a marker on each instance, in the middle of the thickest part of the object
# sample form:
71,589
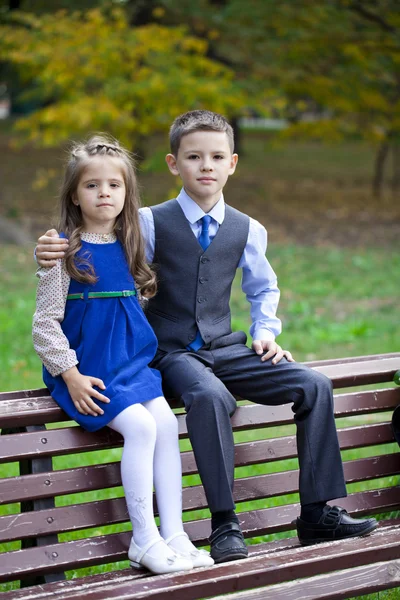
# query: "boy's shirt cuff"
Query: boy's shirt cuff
264,334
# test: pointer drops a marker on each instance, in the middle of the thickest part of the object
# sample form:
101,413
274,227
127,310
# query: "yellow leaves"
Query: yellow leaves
99,73
213,34
328,130
195,45
354,52
43,177
158,12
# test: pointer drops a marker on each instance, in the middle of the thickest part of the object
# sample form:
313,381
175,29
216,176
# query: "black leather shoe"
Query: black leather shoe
334,524
227,543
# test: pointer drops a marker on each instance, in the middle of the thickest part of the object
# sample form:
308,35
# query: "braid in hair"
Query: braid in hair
127,226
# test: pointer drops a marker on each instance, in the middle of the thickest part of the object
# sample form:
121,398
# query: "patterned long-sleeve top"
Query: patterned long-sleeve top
49,340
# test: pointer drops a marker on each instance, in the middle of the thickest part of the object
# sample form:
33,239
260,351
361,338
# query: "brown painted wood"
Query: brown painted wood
254,572
352,359
106,512
56,442
361,373
343,373
255,523
63,556
267,521
40,592
42,392
334,586
372,359
61,590
35,407
74,439
102,476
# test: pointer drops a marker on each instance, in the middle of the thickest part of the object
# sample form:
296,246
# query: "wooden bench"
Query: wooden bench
45,531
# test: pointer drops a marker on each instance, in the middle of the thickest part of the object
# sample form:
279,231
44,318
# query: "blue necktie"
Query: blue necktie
204,241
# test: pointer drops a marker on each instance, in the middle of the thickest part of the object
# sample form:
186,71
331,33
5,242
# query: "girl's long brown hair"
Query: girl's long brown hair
127,227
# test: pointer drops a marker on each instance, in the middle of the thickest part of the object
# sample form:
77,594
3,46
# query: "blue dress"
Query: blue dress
111,337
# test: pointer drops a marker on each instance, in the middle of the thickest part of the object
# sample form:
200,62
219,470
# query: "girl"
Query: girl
91,334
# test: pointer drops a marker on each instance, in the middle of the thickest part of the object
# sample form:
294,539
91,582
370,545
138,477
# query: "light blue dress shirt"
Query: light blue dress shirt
259,282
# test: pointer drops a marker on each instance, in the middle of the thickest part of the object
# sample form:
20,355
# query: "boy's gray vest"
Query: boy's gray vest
194,286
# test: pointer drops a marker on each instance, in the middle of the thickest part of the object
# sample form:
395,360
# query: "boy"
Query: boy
197,242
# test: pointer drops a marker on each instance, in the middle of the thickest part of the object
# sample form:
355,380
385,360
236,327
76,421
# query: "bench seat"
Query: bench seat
63,509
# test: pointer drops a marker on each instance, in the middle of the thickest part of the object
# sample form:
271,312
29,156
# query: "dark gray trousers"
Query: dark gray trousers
208,380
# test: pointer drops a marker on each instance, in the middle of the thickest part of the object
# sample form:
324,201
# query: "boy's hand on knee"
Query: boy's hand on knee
49,248
271,349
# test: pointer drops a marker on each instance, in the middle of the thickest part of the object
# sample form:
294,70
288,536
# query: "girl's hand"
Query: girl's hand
81,390
272,350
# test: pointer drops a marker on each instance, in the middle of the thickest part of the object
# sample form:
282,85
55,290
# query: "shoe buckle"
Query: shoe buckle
332,516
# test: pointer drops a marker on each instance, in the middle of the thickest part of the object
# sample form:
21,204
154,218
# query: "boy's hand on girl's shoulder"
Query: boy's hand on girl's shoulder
82,391
268,349
49,248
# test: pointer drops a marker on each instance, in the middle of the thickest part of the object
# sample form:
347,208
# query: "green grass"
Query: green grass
19,365
335,302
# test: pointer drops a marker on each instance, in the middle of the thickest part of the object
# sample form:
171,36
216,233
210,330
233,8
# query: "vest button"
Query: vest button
191,337
202,280
200,299
204,259
198,319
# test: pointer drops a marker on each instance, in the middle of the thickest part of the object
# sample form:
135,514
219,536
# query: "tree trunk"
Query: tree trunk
396,168
379,173
237,132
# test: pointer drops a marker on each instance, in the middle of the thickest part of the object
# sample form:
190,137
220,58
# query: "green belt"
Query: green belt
124,294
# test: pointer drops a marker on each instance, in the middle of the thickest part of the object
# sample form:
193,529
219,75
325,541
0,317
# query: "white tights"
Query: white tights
151,455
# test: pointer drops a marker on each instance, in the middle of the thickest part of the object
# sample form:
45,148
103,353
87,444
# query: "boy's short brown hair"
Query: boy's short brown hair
198,120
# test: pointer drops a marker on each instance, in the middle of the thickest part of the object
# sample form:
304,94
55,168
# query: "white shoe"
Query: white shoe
169,563
199,558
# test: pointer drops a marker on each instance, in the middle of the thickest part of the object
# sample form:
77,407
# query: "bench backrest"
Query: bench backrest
69,495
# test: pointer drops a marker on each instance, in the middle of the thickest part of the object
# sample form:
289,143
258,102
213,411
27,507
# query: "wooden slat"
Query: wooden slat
364,469
51,590
34,410
69,440
64,518
63,556
58,483
36,407
353,359
251,573
360,403
361,373
105,549
56,590
365,435
111,511
41,392
272,520
334,586
371,358
284,483
94,477
56,442
59,589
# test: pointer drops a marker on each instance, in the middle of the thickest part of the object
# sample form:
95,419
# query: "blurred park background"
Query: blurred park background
312,88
